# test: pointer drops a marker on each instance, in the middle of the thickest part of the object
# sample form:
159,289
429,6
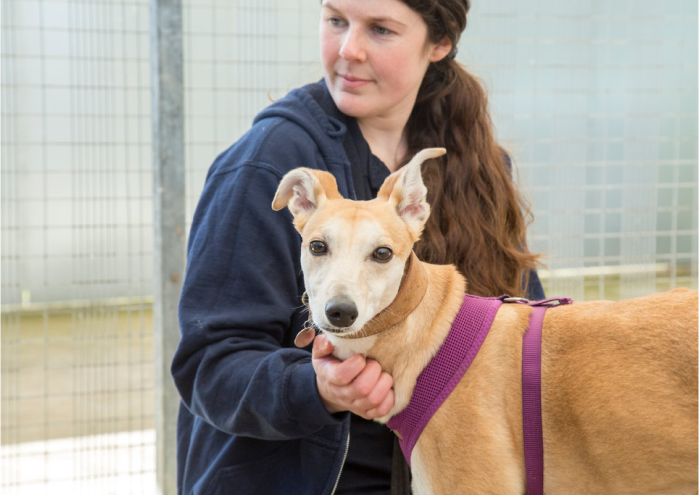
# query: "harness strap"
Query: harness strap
531,403
441,375
531,392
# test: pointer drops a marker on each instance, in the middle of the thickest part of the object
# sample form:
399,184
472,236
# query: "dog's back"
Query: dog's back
619,402
620,387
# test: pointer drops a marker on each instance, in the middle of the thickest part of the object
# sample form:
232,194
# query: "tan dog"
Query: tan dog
619,379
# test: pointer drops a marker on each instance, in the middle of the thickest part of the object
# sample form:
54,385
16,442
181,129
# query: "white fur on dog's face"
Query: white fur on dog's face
348,269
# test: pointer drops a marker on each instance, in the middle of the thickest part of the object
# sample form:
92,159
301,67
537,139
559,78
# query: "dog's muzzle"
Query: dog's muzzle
341,312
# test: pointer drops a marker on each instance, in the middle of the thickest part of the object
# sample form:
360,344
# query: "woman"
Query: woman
258,415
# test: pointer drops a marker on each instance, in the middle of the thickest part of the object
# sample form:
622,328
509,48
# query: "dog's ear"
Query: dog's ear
304,190
405,189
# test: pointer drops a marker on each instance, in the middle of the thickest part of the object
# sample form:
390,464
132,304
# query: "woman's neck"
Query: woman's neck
387,142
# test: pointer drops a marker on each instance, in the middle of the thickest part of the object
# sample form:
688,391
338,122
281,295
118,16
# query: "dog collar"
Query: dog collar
409,296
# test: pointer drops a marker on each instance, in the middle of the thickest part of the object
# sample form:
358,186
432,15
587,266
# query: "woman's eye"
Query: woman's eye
382,30
383,254
335,22
318,247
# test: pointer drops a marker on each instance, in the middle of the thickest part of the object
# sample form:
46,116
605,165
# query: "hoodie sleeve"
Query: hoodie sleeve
240,304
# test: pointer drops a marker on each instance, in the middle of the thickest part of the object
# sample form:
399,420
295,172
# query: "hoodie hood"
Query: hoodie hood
312,108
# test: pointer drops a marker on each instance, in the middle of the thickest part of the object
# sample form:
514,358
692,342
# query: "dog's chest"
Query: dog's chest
344,348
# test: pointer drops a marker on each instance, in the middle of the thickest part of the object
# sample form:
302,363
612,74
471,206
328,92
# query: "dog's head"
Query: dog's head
353,253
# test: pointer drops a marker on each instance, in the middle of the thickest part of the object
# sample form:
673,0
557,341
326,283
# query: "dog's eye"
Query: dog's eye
383,254
318,247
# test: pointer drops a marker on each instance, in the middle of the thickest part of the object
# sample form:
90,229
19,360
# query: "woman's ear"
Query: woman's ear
441,49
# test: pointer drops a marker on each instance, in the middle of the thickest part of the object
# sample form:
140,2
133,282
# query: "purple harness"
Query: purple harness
441,375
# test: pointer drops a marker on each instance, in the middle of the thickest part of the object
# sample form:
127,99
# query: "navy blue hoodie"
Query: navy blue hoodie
251,419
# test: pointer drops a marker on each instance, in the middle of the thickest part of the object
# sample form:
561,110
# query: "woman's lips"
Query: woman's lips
352,82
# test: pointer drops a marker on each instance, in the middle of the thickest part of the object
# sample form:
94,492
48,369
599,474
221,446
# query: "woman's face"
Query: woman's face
375,54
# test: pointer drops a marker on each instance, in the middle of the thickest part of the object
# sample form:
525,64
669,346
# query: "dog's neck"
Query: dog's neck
405,350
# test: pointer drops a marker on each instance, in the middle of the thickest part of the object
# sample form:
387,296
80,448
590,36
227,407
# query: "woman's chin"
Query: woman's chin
352,105
354,110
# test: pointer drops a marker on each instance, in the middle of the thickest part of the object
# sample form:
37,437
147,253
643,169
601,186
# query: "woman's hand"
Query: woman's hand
356,384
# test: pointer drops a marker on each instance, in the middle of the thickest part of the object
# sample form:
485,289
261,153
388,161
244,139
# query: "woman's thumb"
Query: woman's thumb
322,347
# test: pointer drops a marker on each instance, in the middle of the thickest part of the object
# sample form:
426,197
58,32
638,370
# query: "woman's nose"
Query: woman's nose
352,48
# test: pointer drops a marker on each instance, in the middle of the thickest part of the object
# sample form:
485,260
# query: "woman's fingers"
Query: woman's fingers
383,386
380,401
346,373
365,381
384,408
340,373
356,384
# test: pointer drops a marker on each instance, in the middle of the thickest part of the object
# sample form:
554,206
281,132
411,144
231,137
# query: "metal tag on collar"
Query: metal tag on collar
305,337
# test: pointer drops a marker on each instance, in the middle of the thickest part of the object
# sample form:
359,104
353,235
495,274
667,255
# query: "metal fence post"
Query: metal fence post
169,223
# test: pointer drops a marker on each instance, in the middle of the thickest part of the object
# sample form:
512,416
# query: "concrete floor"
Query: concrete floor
111,464
77,401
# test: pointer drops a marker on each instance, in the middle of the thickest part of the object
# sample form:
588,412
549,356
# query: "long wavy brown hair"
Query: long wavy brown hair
479,219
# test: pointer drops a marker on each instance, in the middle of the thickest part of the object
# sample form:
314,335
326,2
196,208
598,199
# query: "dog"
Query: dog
618,379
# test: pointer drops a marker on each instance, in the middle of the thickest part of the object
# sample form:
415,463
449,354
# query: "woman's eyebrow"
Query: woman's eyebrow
378,20
328,5
381,20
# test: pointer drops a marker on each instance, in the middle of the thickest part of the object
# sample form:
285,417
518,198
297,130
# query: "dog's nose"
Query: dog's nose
341,312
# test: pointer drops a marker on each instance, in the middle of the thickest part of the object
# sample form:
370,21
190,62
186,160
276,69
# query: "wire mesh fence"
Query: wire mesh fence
77,358
595,101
